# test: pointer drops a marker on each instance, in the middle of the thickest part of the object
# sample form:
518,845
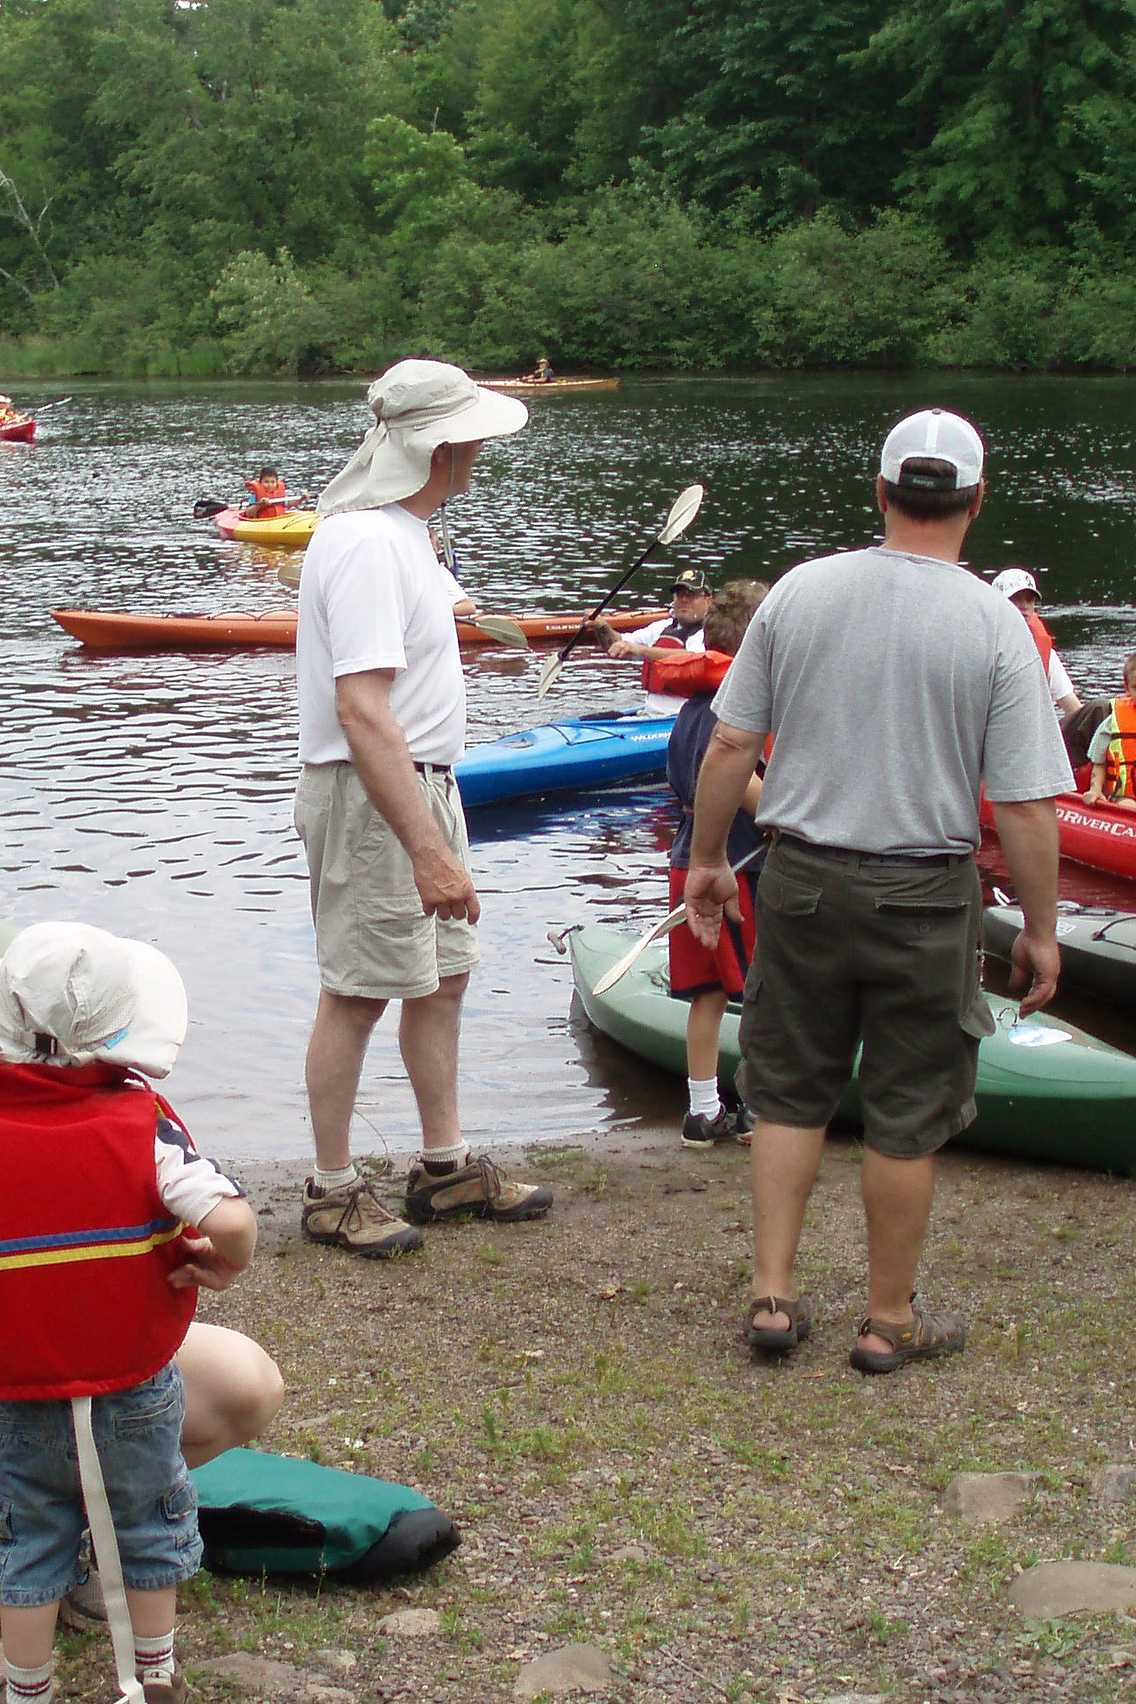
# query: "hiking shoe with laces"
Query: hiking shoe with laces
479,1188
698,1131
354,1218
161,1687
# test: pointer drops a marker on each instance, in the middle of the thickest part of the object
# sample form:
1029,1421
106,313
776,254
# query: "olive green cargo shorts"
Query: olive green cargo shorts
851,950
373,939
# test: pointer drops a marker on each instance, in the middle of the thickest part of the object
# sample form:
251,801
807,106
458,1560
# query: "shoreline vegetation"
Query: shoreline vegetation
316,187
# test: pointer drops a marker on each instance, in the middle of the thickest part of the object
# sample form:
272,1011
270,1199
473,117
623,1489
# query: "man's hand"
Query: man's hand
445,886
1036,968
622,648
711,891
1094,796
206,1267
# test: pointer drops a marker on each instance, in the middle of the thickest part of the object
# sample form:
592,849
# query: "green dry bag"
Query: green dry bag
274,1514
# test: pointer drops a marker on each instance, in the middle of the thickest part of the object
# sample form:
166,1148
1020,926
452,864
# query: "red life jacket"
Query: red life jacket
670,639
86,1242
1120,759
269,494
687,672
1042,638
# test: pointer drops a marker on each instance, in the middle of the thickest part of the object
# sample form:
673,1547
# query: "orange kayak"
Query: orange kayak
118,630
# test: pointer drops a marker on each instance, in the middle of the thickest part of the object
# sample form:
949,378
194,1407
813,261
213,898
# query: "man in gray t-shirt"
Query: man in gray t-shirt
895,684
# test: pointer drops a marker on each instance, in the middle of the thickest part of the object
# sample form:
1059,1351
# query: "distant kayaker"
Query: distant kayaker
1112,749
8,411
894,683
681,630
270,496
541,374
382,721
711,978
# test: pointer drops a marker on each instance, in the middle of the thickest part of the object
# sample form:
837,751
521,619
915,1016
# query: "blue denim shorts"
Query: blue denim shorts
152,1498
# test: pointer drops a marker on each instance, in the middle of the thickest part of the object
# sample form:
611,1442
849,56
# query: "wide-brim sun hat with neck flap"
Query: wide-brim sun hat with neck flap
933,435
417,406
71,994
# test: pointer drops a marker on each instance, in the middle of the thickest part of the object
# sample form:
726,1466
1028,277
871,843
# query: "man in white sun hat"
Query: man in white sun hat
99,1269
382,721
894,682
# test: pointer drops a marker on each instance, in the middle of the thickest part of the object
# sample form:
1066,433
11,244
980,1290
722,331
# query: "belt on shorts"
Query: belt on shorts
434,768
848,854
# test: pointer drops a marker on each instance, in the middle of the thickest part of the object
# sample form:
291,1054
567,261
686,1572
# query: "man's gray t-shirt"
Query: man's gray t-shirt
894,685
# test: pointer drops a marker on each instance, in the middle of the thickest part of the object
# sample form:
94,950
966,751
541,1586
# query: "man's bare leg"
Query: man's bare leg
784,1162
233,1388
428,1035
332,1070
897,1203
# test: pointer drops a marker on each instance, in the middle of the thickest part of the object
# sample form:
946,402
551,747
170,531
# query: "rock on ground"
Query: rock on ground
572,1668
987,1496
1053,1589
264,1679
411,1624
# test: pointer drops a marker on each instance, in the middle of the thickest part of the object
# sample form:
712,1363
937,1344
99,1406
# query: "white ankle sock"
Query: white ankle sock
30,1685
704,1096
156,1653
340,1179
454,1156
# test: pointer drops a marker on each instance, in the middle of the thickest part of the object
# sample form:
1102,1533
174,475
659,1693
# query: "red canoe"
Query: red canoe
115,630
18,431
1100,836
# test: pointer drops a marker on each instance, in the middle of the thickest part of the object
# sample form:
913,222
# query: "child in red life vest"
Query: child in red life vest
1112,749
99,1184
709,980
270,496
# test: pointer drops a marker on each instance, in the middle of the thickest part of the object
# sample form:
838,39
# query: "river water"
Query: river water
152,794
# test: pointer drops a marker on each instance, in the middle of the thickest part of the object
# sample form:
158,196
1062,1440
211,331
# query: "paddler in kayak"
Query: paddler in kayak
541,374
711,978
1078,720
270,497
8,411
680,631
1112,749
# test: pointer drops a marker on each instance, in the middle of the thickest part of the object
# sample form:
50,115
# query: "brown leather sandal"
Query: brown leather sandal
928,1335
779,1340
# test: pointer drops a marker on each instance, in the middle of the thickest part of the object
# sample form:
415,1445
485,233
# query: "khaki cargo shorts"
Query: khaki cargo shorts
852,949
372,937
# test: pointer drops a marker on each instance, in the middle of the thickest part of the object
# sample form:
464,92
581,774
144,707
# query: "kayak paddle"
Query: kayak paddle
682,511
206,507
669,922
499,628
44,406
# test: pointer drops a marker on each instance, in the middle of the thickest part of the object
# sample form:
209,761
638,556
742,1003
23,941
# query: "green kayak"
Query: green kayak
1045,1089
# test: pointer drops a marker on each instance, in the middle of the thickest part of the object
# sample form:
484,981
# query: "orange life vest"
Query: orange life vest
1042,638
1120,759
85,1306
686,673
269,495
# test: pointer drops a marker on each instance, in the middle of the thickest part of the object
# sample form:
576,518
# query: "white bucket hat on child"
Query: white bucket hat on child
71,994
937,434
417,406
1011,581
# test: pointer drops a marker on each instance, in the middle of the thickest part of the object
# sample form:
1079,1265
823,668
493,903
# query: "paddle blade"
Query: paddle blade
289,575
205,507
497,627
683,510
619,970
549,673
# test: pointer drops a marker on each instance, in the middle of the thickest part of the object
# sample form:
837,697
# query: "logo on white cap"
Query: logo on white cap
937,435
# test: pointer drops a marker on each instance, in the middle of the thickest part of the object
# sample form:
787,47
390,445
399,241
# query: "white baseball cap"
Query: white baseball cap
1011,581
417,406
933,433
71,994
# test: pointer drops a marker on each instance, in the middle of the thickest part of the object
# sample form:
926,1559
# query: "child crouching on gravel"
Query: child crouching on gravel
99,1184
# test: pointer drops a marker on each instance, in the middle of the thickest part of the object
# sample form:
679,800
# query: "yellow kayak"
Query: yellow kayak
292,531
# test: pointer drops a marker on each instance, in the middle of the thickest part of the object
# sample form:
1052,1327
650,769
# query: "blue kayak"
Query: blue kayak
579,754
